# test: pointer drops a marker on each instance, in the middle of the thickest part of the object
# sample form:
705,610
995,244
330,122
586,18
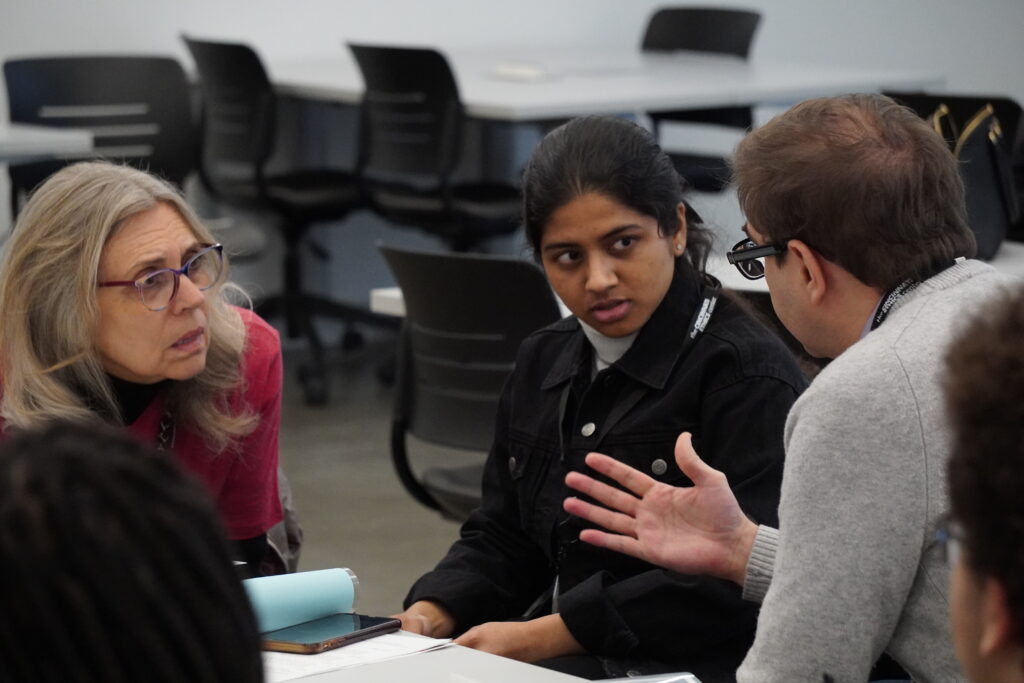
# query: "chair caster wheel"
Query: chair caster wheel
314,386
352,340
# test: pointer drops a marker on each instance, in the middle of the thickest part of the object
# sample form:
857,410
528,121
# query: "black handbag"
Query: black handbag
984,160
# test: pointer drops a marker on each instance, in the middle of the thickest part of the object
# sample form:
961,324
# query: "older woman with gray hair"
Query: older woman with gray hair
116,309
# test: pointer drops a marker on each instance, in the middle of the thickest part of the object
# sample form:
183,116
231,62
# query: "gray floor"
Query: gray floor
354,511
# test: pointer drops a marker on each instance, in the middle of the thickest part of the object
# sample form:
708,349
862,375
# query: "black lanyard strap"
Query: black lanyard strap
893,296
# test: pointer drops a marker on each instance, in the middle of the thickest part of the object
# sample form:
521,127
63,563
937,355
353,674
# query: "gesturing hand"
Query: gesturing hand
692,530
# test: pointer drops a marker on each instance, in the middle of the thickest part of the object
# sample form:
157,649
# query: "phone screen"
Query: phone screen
328,632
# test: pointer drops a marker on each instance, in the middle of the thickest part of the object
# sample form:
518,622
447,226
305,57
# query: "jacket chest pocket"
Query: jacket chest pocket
532,467
653,454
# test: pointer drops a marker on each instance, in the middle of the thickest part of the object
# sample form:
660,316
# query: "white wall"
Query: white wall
976,44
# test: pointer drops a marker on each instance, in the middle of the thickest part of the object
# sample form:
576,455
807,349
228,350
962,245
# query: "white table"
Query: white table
531,84
21,142
453,664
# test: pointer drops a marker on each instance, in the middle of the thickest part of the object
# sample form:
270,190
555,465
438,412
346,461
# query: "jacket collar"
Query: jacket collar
656,349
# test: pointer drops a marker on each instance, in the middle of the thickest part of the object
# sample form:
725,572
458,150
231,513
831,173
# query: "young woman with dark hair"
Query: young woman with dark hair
652,349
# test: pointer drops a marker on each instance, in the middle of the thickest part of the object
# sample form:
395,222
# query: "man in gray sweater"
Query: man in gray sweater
856,218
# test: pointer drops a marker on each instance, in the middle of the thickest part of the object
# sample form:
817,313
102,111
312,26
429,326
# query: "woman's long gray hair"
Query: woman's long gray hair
48,274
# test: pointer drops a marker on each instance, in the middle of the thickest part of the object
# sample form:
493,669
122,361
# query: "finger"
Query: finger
632,479
613,521
699,472
621,544
473,638
415,623
614,498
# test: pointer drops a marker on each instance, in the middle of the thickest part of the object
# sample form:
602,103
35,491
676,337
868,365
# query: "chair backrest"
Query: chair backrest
465,317
238,120
138,108
703,29
411,126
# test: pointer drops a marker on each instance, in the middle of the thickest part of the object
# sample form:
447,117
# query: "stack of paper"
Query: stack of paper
280,666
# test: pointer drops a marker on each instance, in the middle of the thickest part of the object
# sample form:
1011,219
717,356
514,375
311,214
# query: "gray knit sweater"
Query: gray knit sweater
853,569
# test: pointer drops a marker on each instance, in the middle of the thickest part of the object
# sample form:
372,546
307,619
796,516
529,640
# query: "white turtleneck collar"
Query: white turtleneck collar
607,350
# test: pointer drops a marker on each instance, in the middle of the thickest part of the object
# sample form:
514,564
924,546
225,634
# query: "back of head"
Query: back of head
113,566
861,179
984,388
614,157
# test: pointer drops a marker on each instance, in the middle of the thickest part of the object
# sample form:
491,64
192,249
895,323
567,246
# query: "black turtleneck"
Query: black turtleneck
133,398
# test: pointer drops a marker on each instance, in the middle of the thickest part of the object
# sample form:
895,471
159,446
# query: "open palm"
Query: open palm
698,529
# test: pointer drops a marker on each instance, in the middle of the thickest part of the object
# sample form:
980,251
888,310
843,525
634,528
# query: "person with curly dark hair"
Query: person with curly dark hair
985,540
114,565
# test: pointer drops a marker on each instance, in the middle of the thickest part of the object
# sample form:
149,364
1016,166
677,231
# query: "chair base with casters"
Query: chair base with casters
299,309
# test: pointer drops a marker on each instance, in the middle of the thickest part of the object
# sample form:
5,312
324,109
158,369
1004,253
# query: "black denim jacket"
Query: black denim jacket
732,388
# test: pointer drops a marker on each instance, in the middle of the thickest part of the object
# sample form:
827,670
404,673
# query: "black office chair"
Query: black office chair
465,317
238,132
138,109
411,137
702,29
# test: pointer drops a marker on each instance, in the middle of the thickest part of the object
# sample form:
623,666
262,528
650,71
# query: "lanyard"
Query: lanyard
893,296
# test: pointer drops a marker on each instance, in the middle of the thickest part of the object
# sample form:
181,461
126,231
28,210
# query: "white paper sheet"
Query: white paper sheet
282,666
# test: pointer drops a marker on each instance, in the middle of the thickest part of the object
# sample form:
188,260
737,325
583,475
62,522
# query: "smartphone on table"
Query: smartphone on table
328,633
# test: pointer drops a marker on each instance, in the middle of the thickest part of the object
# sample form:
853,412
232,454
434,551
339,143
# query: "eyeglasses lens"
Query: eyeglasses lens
158,288
753,269
204,269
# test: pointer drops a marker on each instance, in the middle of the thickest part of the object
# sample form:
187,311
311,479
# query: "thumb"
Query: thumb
689,462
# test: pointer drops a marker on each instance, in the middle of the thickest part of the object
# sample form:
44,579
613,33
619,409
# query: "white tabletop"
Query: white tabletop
524,84
452,664
20,142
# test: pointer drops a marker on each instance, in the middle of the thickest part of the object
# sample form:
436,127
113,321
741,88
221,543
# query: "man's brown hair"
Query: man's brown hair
862,180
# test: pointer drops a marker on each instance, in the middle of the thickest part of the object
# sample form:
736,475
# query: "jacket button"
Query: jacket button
659,467
588,429
512,464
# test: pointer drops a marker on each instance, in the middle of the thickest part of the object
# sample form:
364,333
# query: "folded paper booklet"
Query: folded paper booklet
310,612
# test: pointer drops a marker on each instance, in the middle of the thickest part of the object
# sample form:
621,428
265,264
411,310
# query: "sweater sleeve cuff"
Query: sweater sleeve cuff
761,564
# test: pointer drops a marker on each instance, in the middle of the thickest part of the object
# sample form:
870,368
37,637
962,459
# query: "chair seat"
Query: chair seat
703,173
317,194
456,489
476,210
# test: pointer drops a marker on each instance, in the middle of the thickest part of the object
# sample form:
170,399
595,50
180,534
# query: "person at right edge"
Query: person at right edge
856,217
652,348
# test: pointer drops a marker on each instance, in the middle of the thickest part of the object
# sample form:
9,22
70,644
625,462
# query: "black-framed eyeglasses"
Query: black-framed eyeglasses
748,257
158,288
